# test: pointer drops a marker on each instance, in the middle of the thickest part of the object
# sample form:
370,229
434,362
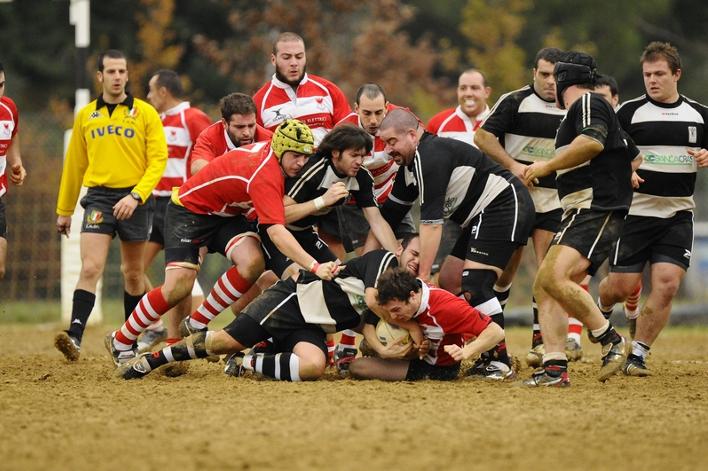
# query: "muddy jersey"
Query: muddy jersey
9,121
316,177
452,179
247,181
455,124
602,183
316,102
215,141
663,133
526,126
182,125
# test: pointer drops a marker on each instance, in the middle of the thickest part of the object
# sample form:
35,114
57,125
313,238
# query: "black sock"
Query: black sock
502,297
181,350
81,308
555,368
610,336
499,352
536,338
265,364
130,302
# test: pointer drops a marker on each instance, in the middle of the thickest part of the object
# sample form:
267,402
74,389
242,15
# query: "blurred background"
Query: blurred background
415,49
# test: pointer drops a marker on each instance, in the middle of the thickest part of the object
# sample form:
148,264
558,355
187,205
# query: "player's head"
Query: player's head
409,252
112,73
2,80
574,69
164,89
661,68
472,92
399,131
606,85
238,115
292,144
370,105
347,145
543,81
399,293
289,58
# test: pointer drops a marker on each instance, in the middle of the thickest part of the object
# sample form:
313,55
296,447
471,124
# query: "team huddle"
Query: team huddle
291,180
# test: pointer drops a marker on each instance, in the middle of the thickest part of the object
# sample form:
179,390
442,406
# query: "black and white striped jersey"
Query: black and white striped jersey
663,133
340,304
526,126
314,180
452,179
604,182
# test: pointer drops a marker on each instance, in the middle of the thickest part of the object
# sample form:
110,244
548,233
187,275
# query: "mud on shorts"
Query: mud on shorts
649,239
276,313
188,231
492,236
419,369
157,226
308,239
3,220
98,215
591,233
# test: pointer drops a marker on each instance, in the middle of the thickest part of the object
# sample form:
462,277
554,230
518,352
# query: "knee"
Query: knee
250,266
178,284
132,273
667,288
91,269
312,368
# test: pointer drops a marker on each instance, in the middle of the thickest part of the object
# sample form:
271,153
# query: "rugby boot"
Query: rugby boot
234,365
534,357
541,378
118,356
573,350
614,354
343,356
186,329
491,370
150,338
635,366
69,346
134,368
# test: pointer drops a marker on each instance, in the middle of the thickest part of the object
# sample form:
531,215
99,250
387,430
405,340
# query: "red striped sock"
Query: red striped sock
632,301
348,338
575,327
149,309
226,291
330,352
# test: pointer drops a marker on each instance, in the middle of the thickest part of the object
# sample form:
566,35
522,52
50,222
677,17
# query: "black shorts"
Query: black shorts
649,239
276,313
309,241
549,221
419,369
591,233
157,225
187,232
3,220
347,223
98,215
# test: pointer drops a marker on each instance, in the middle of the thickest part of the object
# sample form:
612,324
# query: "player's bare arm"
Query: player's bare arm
581,150
490,336
430,235
295,211
489,144
14,162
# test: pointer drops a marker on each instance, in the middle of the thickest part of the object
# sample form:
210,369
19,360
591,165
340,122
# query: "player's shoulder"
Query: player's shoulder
700,107
630,106
440,117
323,82
6,100
196,113
515,96
142,107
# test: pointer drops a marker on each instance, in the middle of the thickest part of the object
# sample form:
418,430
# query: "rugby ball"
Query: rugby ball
390,334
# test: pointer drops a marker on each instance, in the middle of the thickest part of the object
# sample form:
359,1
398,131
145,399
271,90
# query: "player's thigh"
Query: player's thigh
93,248
151,251
221,342
666,278
562,262
379,368
3,255
132,255
541,240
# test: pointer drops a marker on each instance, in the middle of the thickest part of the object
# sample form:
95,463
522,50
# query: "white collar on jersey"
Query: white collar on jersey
477,119
280,84
330,178
424,298
176,109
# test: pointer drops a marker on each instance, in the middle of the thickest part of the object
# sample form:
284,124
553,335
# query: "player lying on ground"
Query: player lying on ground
297,315
446,320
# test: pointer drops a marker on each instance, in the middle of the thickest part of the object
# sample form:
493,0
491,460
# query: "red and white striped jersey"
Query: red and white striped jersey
215,141
182,125
316,102
455,124
446,320
240,181
9,125
378,162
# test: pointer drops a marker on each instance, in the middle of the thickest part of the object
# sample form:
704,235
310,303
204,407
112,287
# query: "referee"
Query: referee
117,150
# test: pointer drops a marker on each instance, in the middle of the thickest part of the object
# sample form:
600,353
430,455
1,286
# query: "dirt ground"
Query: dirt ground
56,415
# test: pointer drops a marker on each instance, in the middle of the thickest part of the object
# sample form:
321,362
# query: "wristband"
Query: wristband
314,266
319,203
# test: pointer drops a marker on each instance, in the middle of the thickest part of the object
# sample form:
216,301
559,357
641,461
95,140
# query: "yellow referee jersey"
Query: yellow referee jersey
126,149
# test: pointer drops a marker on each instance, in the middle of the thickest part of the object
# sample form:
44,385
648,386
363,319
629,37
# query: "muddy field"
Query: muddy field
56,415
